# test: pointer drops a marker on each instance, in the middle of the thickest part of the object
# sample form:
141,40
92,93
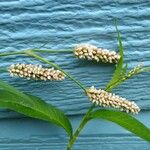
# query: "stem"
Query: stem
146,69
3,70
38,50
12,53
77,132
31,53
51,51
108,89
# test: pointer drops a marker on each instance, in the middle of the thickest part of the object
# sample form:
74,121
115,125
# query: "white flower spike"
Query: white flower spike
36,72
90,52
105,99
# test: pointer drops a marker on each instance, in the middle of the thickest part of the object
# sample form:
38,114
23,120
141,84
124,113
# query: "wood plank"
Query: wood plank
56,143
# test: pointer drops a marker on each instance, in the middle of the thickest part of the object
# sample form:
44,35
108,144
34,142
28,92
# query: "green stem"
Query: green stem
109,88
3,70
82,124
12,53
31,53
51,51
146,69
37,50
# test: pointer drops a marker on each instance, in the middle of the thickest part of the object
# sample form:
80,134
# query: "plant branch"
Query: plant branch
37,50
145,69
31,53
86,117
12,53
81,126
51,51
127,76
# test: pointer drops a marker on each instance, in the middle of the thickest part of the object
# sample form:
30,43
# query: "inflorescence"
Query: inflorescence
105,99
90,52
132,72
36,72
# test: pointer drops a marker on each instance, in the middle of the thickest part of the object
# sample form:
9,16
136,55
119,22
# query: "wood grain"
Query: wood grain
63,24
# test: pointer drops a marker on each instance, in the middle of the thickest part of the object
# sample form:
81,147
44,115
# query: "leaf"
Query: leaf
121,52
12,90
124,69
119,67
32,106
124,120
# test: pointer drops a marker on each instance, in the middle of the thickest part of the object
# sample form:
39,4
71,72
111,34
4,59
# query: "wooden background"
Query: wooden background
64,23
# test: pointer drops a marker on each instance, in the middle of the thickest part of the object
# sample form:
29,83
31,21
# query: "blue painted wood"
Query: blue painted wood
29,24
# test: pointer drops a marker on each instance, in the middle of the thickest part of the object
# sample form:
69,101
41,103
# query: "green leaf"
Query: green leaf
119,67
124,69
124,120
32,106
12,90
121,52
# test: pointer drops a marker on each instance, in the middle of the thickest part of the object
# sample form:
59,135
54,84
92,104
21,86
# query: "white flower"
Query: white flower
35,72
90,52
105,99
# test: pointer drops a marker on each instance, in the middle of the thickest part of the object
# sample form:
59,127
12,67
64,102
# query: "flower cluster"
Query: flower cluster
105,99
90,52
132,72
36,72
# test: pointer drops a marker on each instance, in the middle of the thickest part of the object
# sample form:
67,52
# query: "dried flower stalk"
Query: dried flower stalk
36,72
105,99
90,52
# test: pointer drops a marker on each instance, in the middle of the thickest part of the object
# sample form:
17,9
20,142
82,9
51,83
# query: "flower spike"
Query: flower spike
105,99
36,72
90,52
